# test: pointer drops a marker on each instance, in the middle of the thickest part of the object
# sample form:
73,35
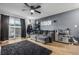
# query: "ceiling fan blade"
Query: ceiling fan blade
37,11
37,7
27,4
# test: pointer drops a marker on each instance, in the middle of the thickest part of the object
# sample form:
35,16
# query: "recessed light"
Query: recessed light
76,26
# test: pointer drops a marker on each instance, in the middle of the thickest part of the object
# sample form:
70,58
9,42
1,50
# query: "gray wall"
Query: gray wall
64,20
0,27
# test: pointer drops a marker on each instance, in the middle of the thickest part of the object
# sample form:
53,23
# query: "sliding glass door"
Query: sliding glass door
11,32
17,32
14,28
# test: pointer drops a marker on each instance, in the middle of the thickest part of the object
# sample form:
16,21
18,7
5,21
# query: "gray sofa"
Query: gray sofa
44,38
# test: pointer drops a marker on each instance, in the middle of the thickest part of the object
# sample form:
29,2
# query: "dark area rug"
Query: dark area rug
24,48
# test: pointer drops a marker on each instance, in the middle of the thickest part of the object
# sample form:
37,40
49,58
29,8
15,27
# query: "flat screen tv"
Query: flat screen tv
46,25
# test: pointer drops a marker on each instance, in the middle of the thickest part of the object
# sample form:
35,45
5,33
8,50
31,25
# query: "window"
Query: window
11,21
14,21
17,22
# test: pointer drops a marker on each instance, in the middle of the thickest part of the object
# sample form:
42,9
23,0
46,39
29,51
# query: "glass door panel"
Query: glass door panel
11,32
14,28
18,32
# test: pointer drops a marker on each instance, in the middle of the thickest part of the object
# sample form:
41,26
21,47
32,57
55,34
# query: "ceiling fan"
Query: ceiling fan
33,9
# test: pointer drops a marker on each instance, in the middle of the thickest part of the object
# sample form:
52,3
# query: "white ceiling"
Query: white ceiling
47,9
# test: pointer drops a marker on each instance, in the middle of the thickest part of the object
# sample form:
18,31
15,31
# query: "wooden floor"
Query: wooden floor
57,48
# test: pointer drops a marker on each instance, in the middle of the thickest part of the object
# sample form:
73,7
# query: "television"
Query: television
44,23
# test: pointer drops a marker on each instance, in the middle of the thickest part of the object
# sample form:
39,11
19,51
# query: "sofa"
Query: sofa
44,38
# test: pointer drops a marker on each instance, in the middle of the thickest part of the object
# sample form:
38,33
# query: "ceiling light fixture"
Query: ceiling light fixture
33,8
32,11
